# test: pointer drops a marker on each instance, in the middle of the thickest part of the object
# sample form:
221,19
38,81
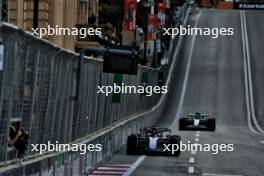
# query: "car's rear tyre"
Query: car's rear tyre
182,124
211,124
175,140
131,145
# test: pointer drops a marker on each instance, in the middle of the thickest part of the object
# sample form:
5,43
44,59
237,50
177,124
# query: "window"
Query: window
4,10
84,11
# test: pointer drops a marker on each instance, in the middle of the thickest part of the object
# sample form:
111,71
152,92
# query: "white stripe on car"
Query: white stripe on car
196,122
153,143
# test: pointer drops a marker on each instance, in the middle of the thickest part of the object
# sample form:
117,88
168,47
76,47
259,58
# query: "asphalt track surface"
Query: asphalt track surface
211,77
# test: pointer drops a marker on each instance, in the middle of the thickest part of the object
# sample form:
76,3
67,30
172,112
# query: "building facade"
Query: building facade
63,13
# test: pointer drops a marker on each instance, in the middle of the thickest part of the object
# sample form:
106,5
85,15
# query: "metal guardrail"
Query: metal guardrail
112,137
38,81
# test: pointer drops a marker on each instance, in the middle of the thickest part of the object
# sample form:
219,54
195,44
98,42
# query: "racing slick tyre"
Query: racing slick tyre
175,140
131,145
182,124
211,124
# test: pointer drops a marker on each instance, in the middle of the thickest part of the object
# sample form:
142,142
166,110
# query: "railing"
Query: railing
38,82
115,121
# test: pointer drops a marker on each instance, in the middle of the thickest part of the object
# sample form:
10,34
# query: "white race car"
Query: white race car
151,141
197,121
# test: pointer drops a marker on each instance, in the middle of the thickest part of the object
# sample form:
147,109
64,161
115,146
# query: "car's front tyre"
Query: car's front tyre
175,140
211,124
182,124
132,141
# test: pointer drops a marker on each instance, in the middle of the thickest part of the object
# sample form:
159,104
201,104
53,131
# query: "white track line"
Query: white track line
187,72
246,76
190,170
196,139
135,165
250,76
193,152
247,92
191,160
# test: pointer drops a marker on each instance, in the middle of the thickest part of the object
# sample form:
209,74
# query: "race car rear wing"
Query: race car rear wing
161,130
202,115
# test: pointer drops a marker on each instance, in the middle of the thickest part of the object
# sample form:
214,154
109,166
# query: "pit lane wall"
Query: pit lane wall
37,83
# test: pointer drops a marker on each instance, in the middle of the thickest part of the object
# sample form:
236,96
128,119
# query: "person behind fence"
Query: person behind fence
18,138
